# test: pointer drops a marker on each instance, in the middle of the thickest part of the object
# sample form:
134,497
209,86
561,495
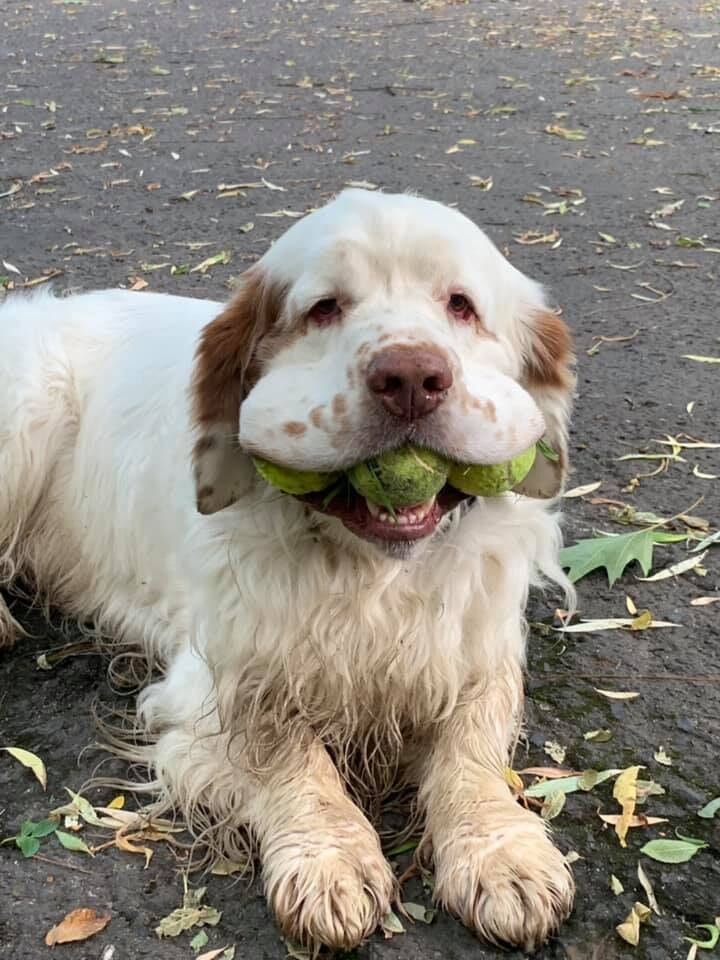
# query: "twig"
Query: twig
62,863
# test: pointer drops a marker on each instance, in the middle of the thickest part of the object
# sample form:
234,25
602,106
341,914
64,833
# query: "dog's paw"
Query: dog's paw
510,885
329,894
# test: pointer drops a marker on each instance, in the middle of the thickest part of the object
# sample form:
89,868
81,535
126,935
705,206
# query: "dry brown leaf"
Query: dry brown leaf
77,925
550,773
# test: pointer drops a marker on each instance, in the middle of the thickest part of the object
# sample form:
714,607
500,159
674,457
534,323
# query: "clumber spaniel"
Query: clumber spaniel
314,655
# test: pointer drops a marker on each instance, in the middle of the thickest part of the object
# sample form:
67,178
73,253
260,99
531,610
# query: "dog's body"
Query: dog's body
308,650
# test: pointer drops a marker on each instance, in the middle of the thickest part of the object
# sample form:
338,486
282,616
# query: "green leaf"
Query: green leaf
199,940
710,809
29,846
547,451
43,829
712,941
403,848
30,760
72,842
584,781
671,851
614,553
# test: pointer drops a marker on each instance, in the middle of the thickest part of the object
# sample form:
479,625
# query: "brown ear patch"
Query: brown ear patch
226,358
550,355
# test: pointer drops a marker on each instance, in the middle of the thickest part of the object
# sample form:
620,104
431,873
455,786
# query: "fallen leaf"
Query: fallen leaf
710,809
583,781
553,805
708,541
555,751
672,851
636,820
199,941
700,359
712,941
30,760
71,842
614,553
676,569
226,868
697,472
117,803
191,914
642,622
419,912
648,888
77,925
513,780
629,929
615,885
625,792
598,736
552,773
391,925
566,134
219,258
583,490
228,953
704,601
662,757
530,237
482,183
618,694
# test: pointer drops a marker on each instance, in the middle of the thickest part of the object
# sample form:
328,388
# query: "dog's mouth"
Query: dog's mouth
378,523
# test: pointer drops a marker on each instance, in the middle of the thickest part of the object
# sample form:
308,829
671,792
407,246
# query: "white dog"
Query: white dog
313,655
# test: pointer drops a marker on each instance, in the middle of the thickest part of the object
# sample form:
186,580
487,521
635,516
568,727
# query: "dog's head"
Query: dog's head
376,321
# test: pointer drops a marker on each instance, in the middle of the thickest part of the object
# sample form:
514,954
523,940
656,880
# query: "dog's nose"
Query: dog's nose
410,382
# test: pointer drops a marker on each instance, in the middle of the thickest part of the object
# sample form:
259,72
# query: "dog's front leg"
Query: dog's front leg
324,872
495,866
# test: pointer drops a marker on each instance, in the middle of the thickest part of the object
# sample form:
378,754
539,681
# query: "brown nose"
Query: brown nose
410,382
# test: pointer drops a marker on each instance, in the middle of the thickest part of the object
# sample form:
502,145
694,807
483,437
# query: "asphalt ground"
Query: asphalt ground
139,140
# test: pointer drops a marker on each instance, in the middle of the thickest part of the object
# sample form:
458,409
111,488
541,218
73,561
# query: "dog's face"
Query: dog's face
376,321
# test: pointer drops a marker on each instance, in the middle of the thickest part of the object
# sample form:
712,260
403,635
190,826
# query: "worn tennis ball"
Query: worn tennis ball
400,478
490,480
296,482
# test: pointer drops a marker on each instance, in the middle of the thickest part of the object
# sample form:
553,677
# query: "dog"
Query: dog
314,655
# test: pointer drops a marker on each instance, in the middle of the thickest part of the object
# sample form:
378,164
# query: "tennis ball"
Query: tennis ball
296,482
490,480
400,478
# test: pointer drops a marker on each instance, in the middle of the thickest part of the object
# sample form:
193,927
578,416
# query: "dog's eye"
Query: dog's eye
325,311
460,307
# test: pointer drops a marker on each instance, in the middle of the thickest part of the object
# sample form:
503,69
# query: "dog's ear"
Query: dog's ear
226,368
548,377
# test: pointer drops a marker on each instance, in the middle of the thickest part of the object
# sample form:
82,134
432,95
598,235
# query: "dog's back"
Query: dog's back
69,369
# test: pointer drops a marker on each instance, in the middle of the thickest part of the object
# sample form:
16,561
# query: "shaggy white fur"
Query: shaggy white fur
311,661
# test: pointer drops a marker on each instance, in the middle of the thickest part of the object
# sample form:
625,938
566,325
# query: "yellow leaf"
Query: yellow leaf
565,133
513,780
117,803
625,792
629,929
30,760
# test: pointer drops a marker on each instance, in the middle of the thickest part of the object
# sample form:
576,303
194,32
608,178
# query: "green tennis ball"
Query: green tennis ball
296,482
400,478
490,480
